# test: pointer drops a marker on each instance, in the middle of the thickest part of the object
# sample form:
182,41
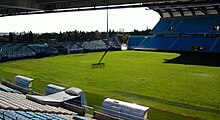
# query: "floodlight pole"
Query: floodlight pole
107,35
107,24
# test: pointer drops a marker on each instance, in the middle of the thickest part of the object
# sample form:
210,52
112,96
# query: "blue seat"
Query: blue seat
135,41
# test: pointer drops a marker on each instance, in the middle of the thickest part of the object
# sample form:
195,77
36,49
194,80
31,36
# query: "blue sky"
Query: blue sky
128,19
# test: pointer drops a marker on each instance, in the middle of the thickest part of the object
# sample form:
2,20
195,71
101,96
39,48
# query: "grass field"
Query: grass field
154,79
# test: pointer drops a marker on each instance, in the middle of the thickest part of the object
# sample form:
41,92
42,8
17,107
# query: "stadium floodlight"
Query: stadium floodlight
99,64
107,25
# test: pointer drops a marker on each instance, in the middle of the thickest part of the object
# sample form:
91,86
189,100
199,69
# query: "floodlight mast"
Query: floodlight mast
107,24
105,42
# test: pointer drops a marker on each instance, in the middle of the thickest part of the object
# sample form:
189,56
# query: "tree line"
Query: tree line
29,37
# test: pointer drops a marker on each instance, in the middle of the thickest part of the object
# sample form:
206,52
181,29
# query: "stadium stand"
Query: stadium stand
56,95
15,101
90,46
183,28
21,115
69,102
191,43
188,25
179,43
135,41
158,42
73,47
16,106
13,51
216,45
43,49
10,51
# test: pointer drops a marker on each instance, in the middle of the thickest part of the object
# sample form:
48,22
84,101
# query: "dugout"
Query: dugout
124,110
80,100
23,81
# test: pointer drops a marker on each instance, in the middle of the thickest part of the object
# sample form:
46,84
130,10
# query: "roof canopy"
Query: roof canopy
23,7
187,9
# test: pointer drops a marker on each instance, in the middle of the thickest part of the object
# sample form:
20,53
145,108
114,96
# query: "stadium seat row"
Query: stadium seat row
176,43
21,115
194,33
17,101
14,50
92,45
208,24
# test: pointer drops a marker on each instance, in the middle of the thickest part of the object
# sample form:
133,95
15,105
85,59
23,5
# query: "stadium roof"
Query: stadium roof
211,7
24,7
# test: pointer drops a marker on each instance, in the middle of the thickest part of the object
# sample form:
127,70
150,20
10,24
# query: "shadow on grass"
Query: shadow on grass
205,59
98,65
178,104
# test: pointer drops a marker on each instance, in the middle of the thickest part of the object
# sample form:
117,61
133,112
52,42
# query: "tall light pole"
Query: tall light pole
107,24
99,64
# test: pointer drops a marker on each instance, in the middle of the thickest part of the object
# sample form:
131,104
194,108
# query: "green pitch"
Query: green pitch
152,79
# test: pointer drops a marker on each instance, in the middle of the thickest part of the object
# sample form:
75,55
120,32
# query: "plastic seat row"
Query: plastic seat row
15,50
176,43
19,102
7,89
92,45
188,25
21,115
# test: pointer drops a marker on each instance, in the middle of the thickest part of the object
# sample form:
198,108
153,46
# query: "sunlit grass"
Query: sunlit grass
141,75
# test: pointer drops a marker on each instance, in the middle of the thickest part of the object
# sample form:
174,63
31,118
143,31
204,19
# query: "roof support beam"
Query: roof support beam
180,11
203,10
170,12
192,11
217,9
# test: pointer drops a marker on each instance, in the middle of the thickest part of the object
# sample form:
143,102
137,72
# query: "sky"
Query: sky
127,19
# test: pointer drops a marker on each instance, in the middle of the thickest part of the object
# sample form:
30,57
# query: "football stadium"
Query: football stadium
171,74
